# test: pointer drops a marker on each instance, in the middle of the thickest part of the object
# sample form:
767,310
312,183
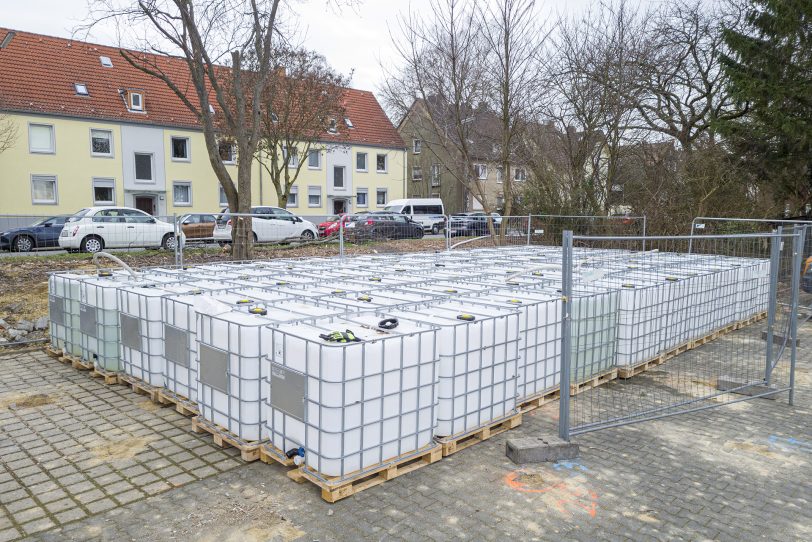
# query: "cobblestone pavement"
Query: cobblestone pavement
739,472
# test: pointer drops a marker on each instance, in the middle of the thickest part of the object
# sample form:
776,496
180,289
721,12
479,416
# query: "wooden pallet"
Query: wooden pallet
593,382
140,387
334,489
54,352
77,363
539,400
461,441
184,406
268,453
107,377
249,451
752,320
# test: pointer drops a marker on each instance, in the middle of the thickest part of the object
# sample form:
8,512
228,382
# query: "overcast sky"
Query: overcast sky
353,40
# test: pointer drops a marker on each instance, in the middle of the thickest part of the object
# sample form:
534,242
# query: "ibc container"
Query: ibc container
374,300
63,311
99,317
352,405
231,365
479,352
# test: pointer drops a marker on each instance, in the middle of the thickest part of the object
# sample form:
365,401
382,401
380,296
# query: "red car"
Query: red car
332,225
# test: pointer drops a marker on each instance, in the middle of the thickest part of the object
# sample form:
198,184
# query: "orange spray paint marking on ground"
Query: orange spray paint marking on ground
561,494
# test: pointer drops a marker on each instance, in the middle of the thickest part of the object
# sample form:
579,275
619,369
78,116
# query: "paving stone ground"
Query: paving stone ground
738,472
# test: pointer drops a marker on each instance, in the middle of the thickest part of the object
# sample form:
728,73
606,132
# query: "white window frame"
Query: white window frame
188,149
343,178
348,122
481,171
232,152
221,195
313,189
79,87
56,189
417,146
314,152
435,175
365,192
106,62
131,101
52,129
366,161
500,174
151,165
188,184
516,174
332,126
107,182
385,163
101,154
294,160
378,191
294,191
415,171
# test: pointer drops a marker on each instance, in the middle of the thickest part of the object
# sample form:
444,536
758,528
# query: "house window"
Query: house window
228,152
417,173
293,197
338,177
361,161
180,148
520,174
106,62
332,127
182,193
143,167
104,192
381,197
314,196
361,198
43,189
435,175
101,142
417,146
500,202
380,163
81,89
136,101
294,156
223,198
500,174
481,171
41,138
314,159
348,122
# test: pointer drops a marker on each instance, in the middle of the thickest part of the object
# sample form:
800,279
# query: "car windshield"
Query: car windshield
43,221
78,216
333,218
393,208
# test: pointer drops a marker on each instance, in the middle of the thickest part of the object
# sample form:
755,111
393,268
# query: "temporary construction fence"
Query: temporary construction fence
740,292
704,225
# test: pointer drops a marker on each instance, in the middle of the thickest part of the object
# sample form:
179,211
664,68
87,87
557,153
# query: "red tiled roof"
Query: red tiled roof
38,73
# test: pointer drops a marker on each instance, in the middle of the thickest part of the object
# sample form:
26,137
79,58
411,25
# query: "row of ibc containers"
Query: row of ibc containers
345,364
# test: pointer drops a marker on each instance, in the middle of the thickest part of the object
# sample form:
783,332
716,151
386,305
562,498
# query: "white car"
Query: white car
96,228
270,225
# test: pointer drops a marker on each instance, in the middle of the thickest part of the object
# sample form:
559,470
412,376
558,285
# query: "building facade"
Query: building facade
91,130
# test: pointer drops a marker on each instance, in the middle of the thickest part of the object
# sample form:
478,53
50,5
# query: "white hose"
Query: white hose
115,259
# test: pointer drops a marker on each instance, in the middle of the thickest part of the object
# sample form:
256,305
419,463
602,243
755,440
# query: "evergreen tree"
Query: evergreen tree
769,68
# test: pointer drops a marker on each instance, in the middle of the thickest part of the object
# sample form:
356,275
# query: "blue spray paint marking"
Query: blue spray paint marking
569,465
789,442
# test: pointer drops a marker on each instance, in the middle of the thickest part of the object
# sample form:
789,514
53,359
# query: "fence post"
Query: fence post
644,233
177,239
529,220
341,237
691,240
775,262
797,250
448,233
566,338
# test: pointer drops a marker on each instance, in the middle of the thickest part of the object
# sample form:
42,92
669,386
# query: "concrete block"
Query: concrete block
728,383
546,448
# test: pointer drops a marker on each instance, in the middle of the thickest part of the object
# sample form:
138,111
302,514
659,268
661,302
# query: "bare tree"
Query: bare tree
8,133
304,105
215,40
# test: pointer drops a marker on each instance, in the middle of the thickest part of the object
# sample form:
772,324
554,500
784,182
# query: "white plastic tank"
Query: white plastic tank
63,311
479,352
351,405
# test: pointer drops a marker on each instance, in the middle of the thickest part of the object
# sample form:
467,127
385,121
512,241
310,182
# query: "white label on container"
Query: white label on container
539,232
700,226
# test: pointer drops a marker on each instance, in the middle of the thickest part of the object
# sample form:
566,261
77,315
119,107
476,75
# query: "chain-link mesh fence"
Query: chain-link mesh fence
694,330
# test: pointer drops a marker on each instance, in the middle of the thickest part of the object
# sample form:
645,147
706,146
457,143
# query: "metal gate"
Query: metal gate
665,331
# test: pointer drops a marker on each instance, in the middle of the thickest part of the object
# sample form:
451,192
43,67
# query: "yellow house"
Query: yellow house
90,130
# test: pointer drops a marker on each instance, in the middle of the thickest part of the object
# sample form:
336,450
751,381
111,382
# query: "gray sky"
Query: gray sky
351,39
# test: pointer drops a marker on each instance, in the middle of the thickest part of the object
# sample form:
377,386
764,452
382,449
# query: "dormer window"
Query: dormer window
211,109
332,127
274,117
81,89
348,122
136,100
106,62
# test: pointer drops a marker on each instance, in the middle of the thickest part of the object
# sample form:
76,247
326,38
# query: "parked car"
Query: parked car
383,225
429,212
96,228
198,226
332,225
269,224
475,223
41,234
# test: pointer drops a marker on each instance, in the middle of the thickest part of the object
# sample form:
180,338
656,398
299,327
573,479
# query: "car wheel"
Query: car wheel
92,244
307,235
23,243
169,241
435,229
418,233
254,234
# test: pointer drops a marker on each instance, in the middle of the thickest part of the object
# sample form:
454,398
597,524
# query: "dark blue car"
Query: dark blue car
42,234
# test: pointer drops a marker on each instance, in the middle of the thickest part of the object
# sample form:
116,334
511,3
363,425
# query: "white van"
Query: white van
429,212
